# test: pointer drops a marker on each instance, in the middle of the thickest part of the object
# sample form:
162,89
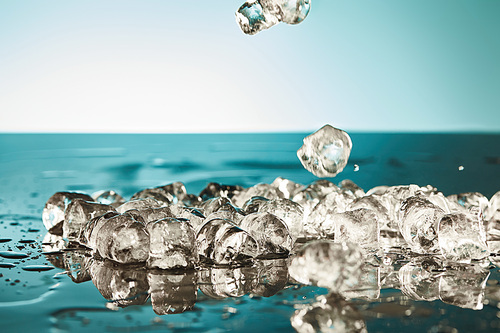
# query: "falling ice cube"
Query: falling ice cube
257,15
327,264
462,237
122,239
53,212
78,213
270,232
329,313
224,243
325,152
418,223
289,211
172,244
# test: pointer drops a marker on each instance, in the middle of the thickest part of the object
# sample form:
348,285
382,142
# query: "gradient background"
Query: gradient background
185,66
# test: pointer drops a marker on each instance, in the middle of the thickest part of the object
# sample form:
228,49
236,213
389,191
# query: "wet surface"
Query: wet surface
68,290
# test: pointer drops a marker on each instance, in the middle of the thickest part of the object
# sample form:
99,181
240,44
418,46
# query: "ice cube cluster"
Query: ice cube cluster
257,15
333,235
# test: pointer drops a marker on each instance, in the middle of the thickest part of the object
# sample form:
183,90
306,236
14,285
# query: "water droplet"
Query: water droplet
5,240
461,168
6,265
356,168
13,255
37,268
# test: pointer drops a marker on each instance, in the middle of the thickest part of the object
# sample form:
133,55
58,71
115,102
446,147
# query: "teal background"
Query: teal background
185,66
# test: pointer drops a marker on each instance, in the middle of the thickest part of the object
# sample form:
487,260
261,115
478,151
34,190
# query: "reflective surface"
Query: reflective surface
70,291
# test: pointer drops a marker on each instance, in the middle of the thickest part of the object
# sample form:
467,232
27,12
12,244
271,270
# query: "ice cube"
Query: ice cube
139,204
150,215
89,232
321,221
289,211
463,285
330,313
53,212
259,190
373,203
327,264
257,15
222,242
231,215
172,244
360,226
253,204
286,187
176,192
270,232
122,239
215,204
78,213
492,218
325,152
470,199
193,215
418,224
368,284
121,285
172,293
349,187
214,190
462,237
108,198
158,193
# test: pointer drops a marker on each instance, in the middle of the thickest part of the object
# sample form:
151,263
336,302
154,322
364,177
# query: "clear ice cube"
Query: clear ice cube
214,190
139,204
492,218
108,198
78,213
360,226
350,188
289,211
224,243
158,193
325,152
286,187
53,212
150,215
215,204
327,264
329,313
172,244
89,232
253,204
469,200
270,232
418,224
259,190
193,215
462,237
122,239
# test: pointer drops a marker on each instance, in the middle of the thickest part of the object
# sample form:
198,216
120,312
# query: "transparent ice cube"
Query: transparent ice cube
78,213
158,193
286,187
193,215
150,215
108,198
89,232
259,190
350,188
470,199
360,226
253,204
172,244
139,204
325,152
224,243
214,190
53,212
122,239
462,237
270,232
289,211
327,264
418,224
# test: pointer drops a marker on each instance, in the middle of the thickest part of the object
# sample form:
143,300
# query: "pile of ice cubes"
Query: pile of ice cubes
336,236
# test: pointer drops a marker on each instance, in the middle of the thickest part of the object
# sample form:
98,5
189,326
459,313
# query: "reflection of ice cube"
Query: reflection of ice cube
330,313
419,279
272,277
325,152
463,285
172,244
222,242
327,264
221,282
462,237
122,285
172,293
53,212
